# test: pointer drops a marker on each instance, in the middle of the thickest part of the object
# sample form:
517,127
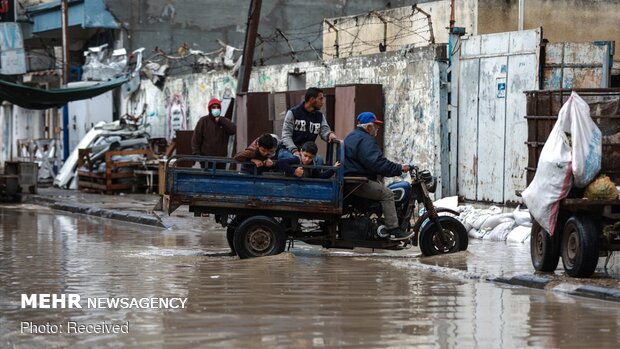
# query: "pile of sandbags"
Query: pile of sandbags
493,224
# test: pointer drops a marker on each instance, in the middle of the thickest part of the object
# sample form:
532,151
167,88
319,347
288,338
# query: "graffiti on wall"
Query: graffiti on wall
177,115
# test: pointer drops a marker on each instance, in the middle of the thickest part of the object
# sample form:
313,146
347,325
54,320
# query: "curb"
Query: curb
128,216
528,280
582,290
532,281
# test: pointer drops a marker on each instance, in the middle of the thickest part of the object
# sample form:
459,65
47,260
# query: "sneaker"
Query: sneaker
398,234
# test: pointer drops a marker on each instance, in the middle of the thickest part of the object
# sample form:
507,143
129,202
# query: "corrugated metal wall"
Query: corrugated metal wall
494,70
577,65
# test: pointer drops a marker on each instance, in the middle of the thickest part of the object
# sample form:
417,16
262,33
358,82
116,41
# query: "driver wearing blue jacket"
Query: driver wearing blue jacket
363,158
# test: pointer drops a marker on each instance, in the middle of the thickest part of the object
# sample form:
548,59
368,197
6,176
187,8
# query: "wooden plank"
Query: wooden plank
91,185
83,173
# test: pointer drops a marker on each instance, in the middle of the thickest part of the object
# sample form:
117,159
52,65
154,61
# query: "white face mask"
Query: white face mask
216,112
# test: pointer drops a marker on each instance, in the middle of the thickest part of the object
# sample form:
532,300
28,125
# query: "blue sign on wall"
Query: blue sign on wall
12,54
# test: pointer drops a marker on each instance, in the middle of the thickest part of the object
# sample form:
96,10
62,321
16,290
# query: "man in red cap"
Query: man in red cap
212,131
363,158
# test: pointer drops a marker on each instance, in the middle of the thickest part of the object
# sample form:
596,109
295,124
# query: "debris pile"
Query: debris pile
103,137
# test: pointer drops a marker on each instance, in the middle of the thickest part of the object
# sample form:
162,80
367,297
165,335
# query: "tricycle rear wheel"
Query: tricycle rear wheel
259,236
580,247
544,249
230,238
452,239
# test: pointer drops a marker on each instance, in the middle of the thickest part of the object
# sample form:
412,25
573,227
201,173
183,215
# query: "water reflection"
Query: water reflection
310,299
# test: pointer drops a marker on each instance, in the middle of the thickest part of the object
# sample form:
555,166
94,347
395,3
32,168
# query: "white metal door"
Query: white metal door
85,113
494,70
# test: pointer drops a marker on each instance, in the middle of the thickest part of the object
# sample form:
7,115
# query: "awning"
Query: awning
83,13
35,98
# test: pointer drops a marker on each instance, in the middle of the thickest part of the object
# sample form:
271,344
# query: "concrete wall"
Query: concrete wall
411,85
362,33
167,24
562,21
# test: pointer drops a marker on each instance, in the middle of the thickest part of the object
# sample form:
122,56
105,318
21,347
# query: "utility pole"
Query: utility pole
521,14
65,41
452,19
64,9
243,79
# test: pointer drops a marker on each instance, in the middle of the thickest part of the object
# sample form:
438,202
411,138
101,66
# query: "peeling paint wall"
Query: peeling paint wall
193,92
411,87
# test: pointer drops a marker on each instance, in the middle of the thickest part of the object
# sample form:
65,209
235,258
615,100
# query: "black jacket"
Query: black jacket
287,166
364,158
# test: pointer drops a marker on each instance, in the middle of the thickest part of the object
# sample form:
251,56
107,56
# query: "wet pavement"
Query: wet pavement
492,259
310,297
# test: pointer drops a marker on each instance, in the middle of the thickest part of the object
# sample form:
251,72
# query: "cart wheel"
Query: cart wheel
580,246
544,249
453,238
230,236
259,236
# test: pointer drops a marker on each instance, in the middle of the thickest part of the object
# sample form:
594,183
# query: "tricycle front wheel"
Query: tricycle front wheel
259,236
452,239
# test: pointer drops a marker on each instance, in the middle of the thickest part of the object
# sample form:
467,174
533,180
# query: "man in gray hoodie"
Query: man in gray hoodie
303,123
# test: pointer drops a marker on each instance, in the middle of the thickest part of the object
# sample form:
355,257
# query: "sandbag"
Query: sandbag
500,232
495,220
519,234
451,202
476,234
522,217
479,221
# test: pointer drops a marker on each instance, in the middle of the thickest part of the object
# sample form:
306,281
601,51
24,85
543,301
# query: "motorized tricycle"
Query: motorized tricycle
262,212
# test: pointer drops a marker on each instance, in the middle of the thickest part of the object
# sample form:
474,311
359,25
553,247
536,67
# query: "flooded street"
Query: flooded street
308,298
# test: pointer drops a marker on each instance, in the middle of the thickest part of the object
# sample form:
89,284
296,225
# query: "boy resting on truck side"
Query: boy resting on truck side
307,156
259,153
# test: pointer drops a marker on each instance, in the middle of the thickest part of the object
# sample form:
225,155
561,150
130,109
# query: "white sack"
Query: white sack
553,178
522,217
476,234
479,221
451,202
496,220
500,232
587,142
519,234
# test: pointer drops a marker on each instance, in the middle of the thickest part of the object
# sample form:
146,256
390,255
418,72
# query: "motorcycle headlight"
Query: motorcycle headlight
432,186
426,176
